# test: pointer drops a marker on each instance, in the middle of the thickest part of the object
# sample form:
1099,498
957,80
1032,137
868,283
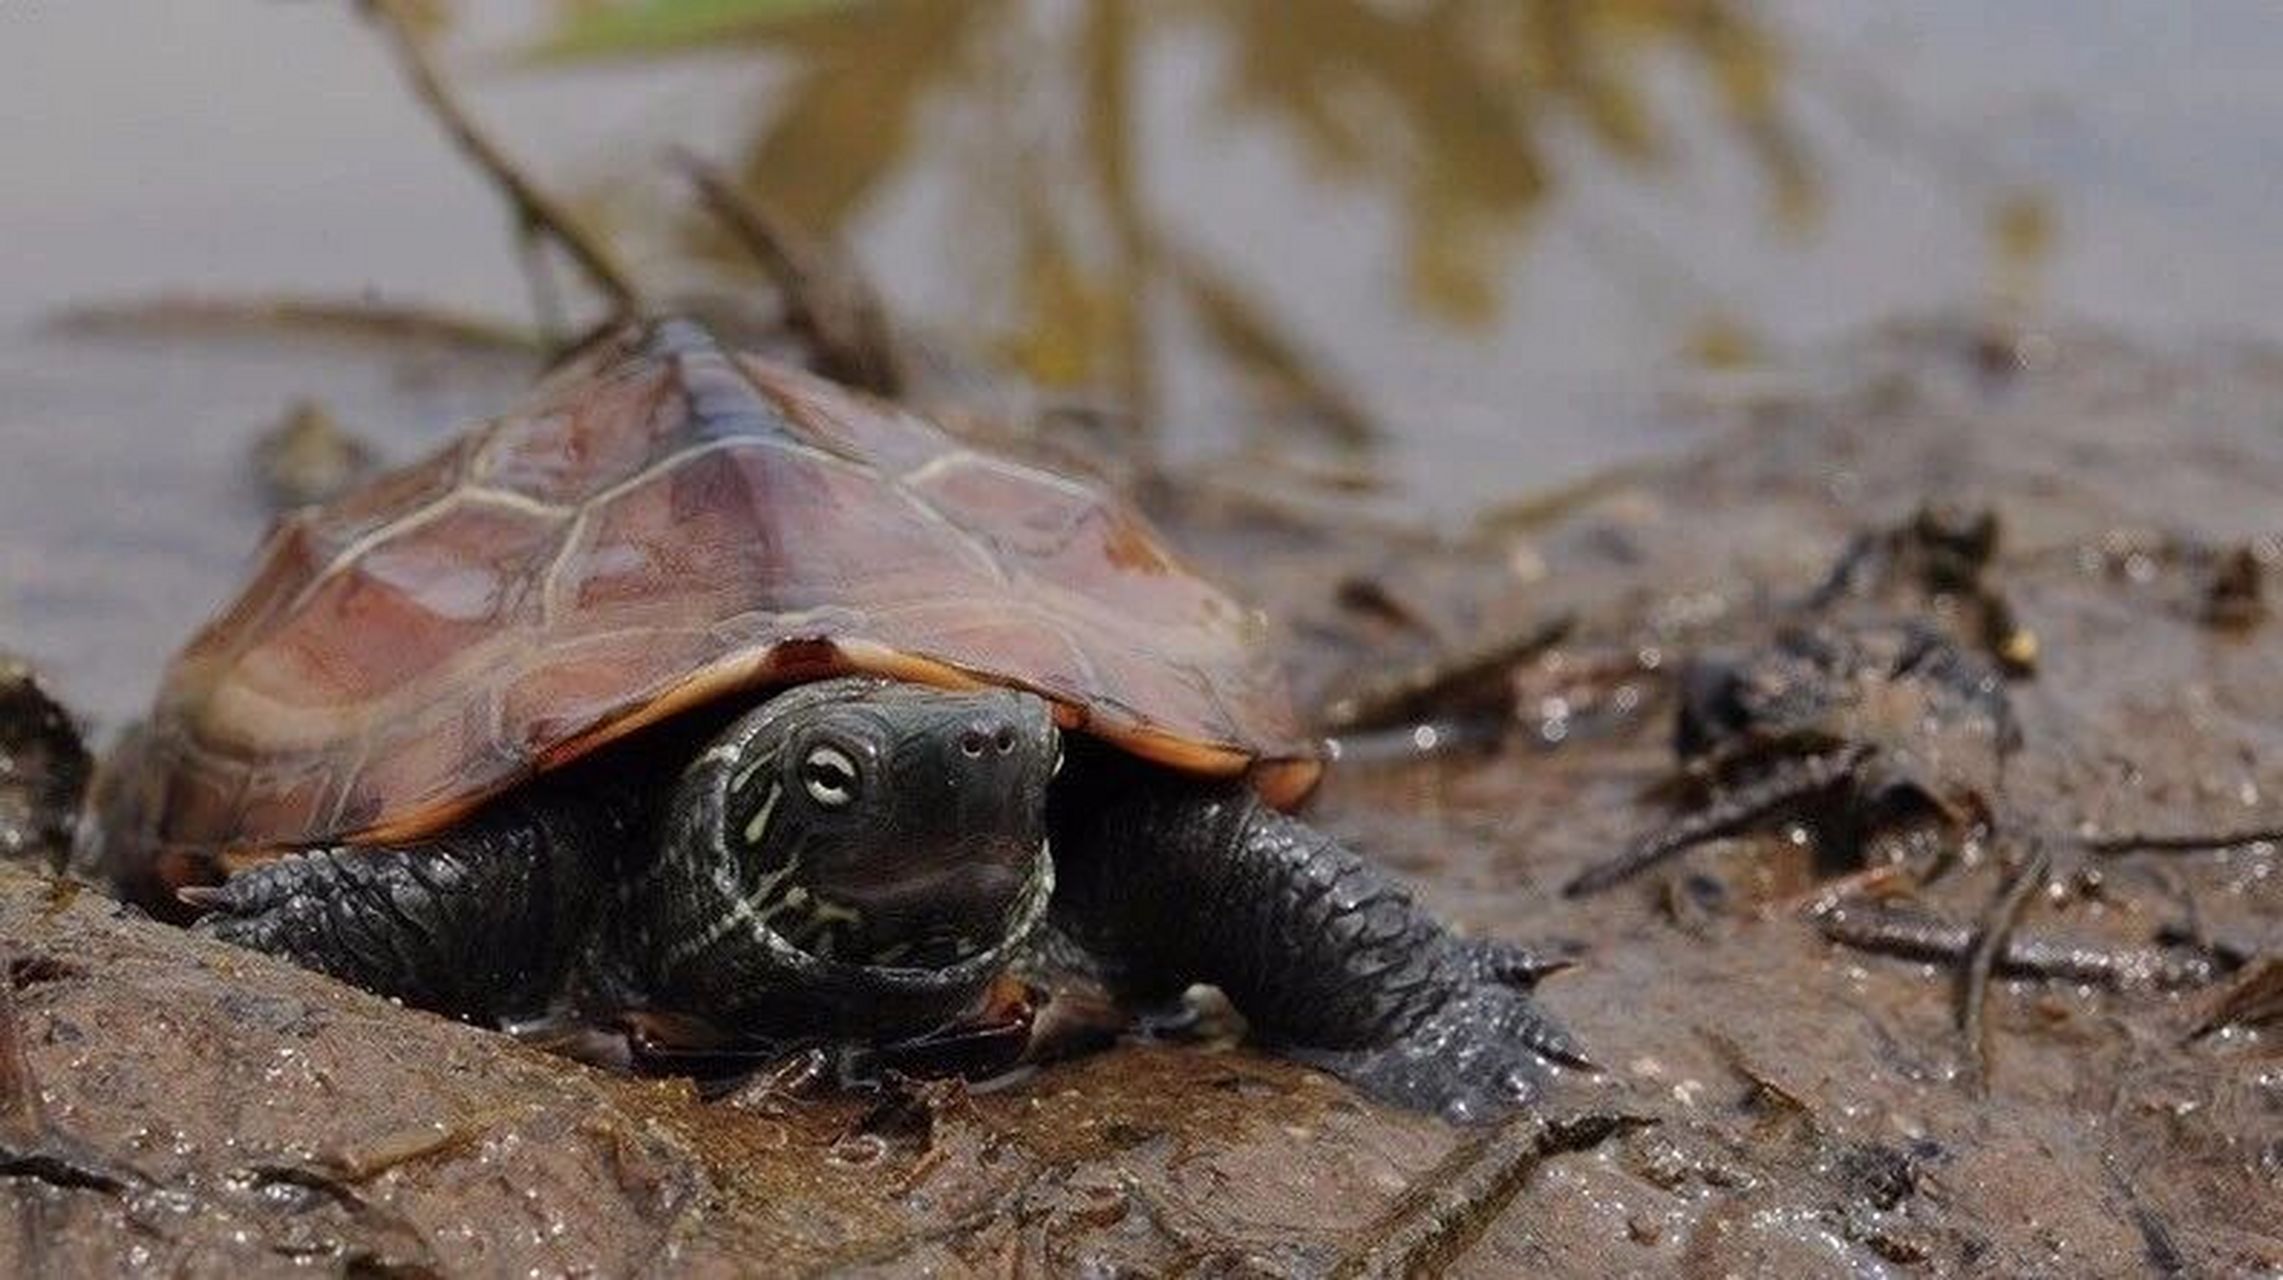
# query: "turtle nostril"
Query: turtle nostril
971,743
1005,740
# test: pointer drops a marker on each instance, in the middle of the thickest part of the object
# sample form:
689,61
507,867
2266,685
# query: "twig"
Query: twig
1441,1216
1429,688
2157,1244
1245,330
1788,783
1368,595
546,295
1913,933
2255,999
1543,510
1768,1088
423,1142
534,208
1997,928
2115,842
828,303
360,319
1872,881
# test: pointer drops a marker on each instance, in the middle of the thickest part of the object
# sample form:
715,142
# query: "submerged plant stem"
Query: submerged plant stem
534,208
828,303
294,316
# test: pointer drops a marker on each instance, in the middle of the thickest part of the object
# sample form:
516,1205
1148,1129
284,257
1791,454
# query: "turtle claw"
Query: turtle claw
254,908
1519,966
1484,1052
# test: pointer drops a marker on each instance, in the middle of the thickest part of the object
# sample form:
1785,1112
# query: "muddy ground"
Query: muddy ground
1771,1103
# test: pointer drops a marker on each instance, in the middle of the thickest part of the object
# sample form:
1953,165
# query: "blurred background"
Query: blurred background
1451,249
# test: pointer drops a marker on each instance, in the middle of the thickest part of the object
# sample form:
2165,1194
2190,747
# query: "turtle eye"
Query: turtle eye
830,776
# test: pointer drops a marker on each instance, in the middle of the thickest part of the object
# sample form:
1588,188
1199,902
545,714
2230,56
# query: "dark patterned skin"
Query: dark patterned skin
591,890
1327,956
484,922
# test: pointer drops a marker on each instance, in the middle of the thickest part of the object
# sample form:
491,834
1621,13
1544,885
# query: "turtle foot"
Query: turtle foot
359,915
1485,1051
278,907
453,926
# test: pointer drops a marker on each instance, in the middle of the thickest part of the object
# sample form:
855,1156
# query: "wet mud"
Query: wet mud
1790,1083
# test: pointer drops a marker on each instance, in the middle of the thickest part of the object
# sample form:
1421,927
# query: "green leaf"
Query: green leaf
636,27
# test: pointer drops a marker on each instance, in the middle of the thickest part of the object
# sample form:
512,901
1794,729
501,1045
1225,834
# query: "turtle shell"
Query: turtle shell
662,525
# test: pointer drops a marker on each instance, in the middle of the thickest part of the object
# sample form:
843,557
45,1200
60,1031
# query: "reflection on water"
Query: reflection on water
1476,232
1461,114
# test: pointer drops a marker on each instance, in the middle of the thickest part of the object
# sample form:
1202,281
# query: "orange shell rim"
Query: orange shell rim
1281,781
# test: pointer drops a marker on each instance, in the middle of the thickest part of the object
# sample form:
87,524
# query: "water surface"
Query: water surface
1479,234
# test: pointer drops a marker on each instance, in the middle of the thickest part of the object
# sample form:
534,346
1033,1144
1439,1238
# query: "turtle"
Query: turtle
701,686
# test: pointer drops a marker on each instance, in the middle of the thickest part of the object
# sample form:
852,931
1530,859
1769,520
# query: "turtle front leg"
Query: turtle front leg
1328,958
481,923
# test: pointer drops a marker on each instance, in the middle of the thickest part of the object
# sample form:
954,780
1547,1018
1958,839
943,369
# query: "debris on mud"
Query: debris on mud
308,456
1472,682
1854,732
1938,561
2254,1000
44,767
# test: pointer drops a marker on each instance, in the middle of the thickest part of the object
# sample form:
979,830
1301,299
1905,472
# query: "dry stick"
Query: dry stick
1731,812
1439,1217
1242,329
348,318
1419,691
534,208
1445,1212
1997,928
2254,999
1912,933
827,301
1763,1084
1820,900
2157,1244
2179,842
421,1142
539,273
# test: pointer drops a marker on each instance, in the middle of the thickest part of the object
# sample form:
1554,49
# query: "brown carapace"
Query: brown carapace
661,526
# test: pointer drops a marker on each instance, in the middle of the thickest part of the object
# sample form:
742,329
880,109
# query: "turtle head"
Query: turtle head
887,823
858,852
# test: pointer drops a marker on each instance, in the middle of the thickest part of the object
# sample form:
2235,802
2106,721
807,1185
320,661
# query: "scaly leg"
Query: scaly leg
482,922
1328,958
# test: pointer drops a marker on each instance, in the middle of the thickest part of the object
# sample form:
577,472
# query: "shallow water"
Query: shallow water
1485,236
